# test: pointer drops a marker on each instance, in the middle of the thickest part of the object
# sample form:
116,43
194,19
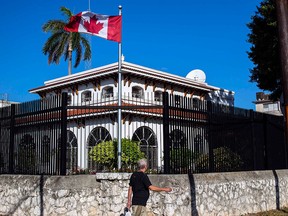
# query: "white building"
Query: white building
4,102
264,104
141,86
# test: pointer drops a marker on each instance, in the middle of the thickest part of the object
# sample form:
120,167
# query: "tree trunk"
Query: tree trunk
282,20
70,55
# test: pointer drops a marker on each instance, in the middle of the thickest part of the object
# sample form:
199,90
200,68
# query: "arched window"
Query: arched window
198,141
45,149
178,151
86,96
137,92
158,96
27,155
97,135
177,100
196,103
177,138
69,99
71,139
72,151
148,144
107,92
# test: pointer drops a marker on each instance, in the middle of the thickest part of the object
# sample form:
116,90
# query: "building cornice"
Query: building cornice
127,68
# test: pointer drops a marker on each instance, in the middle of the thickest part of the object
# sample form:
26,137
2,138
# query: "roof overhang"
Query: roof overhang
111,70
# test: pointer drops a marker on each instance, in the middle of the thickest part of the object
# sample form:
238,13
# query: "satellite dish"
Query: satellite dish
197,75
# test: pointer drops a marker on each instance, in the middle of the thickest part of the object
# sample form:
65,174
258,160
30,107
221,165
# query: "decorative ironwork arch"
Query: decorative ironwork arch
45,149
177,138
26,154
72,151
97,135
148,144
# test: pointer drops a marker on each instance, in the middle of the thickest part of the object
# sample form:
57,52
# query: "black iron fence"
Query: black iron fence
177,134
207,137
31,141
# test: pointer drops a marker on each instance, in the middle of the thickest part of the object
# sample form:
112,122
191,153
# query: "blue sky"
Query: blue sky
173,36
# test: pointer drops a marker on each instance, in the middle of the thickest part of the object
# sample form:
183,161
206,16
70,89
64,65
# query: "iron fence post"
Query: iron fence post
11,146
166,133
255,164
266,164
63,144
211,154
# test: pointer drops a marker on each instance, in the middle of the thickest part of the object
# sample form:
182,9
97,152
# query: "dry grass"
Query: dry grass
281,212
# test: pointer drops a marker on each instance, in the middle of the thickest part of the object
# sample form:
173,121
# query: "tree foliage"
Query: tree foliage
225,160
264,52
131,153
63,43
182,158
105,153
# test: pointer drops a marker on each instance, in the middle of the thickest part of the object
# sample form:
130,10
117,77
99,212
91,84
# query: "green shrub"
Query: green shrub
105,153
224,160
182,158
26,160
131,153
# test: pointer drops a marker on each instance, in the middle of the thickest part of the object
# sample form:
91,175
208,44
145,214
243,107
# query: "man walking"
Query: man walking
139,187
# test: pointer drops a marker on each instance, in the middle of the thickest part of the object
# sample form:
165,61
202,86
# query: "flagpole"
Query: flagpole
119,97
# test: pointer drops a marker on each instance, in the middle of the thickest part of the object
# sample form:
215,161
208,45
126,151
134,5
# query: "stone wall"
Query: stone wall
106,194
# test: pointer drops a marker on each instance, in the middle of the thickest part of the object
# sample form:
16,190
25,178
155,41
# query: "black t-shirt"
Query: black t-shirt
140,183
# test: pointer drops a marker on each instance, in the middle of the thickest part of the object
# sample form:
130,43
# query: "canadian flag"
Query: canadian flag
108,27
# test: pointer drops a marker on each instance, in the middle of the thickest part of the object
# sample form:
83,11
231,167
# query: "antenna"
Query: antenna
3,99
88,63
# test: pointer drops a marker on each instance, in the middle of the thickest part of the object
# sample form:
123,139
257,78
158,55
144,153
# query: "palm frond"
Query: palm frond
54,46
75,39
54,38
66,53
66,12
87,48
57,44
78,50
53,26
60,48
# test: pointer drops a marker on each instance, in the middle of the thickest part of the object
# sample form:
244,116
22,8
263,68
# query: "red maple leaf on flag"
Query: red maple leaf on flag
93,26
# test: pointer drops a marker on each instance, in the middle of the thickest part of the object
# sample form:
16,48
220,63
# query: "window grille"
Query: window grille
97,135
177,138
158,96
137,92
107,92
148,144
86,96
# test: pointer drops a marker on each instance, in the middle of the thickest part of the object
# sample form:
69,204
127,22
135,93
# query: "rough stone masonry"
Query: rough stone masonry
105,194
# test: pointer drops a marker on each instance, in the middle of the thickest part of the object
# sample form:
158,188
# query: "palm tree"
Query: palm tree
64,43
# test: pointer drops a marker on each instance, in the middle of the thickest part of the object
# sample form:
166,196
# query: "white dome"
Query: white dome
197,75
